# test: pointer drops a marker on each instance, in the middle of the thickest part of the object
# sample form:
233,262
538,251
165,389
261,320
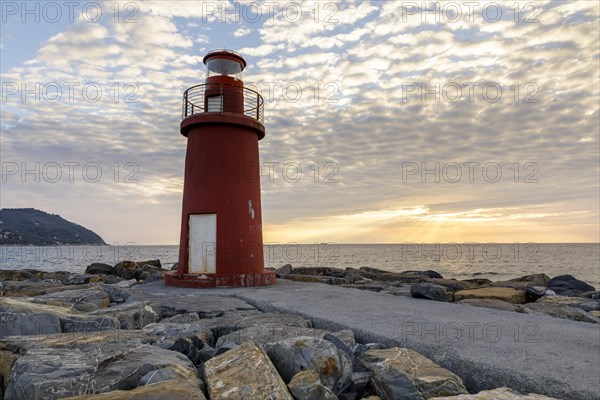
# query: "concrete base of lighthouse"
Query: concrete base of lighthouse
173,278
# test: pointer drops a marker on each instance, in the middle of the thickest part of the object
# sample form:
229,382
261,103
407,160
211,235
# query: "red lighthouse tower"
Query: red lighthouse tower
221,224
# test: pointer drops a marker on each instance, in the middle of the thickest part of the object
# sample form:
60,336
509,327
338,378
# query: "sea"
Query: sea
496,261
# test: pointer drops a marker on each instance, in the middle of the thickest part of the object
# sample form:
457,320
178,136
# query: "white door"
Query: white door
203,244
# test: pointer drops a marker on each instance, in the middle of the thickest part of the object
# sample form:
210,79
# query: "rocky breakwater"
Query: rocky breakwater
563,296
101,335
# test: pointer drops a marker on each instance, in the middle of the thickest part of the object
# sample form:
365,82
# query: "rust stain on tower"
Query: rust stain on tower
221,224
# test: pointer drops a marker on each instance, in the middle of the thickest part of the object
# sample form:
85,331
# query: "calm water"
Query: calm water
461,261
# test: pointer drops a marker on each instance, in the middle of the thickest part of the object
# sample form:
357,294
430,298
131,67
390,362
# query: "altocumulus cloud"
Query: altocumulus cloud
344,85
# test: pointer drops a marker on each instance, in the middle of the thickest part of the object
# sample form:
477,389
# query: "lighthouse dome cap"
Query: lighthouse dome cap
225,54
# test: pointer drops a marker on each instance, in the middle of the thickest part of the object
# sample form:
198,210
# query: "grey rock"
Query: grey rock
206,306
190,347
282,271
592,305
151,273
559,311
112,279
319,271
20,324
429,291
567,285
503,393
168,333
25,318
244,373
99,268
131,315
78,299
534,279
428,273
86,368
116,294
268,332
125,284
223,326
171,390
532,293
346,336
206,353
79,279
405,374
399,290
372,286
85,323
159,375
182,318
225,347
491,303
128,269
291,356
306,385
154,276
593,294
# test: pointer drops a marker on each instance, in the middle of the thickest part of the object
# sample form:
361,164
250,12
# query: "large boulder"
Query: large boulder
168,333
578,302
454,285
568,285
284,270
509,295
244,373
99,268
306,385
21,324
186,318
266,333
79,299
172,390
7,361
128,269
534,279
320,271
400,373
491,303
503,393
88,368
428,273
206,306
25,318
428,291
131,315
559,311
294,355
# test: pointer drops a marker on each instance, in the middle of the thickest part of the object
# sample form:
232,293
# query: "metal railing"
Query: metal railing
222,98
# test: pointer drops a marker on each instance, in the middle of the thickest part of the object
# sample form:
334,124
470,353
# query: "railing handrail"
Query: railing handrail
195,96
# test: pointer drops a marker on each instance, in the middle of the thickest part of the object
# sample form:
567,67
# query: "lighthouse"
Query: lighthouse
221,240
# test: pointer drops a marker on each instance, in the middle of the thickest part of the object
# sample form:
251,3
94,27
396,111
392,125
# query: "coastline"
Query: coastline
115,308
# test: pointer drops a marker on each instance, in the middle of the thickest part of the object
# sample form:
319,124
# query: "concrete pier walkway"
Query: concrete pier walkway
487,348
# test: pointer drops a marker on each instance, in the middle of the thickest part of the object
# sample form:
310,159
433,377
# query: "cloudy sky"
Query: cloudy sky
387,122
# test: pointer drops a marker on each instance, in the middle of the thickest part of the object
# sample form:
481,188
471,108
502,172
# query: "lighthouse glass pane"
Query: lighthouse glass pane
223,67
202,247
214,104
